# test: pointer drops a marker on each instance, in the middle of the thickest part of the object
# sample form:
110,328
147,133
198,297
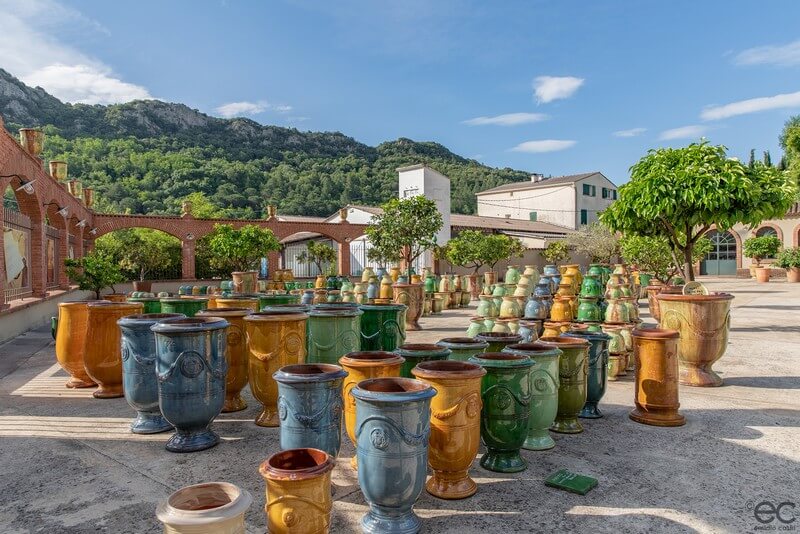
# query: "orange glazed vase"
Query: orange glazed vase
656,354
235,355
70,342
102,352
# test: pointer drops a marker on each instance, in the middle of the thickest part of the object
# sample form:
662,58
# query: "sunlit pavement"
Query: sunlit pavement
71,465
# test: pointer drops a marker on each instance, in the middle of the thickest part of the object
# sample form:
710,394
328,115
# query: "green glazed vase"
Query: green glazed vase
573,368
415,353
506,396
332,332
188,307
588,310
597,376
462,348
383,326
497,340
151,304
276,300
591,287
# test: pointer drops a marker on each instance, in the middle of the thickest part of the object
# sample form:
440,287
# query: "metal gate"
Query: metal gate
722,258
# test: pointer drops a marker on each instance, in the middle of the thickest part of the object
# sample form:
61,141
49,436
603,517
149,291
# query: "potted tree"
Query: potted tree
596,241
140,252
319,254
498,247
759,248
238,251
555,252
789,259
469,249
94,272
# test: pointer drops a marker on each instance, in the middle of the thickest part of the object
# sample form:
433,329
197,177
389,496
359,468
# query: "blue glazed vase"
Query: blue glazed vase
597,378
543,288
392,430
139,381
191,371
310,406
535,308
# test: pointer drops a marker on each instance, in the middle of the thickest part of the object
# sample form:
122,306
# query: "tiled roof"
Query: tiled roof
545,182
794,211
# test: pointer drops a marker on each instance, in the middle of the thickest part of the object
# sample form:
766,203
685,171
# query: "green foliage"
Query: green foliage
240,249
678,193
408,226
759,248
498,247
94,272
318,253
555,252
141,251
202,206
383,257
652,254
596,241
475,249
788,258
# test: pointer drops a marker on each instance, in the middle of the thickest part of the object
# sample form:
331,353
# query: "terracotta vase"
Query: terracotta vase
71,342
462,348
498,341
244,281
474,286
102,349
208,508
793,275
116,297
455,299
573,369
616,312
274,340
414,353
437,305
597,376
455,425
332,331
236,355
763,274
489,278
412,296
656,398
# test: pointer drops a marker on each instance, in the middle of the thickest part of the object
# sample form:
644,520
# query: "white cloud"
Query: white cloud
239,109
633,132
282,108
509,119
85,84
544,145
549,88
782,55
753,105
294,120
684,132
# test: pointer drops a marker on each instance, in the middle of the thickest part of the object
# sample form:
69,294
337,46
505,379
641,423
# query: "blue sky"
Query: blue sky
554,87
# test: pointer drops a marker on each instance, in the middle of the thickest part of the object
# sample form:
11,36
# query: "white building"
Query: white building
568,201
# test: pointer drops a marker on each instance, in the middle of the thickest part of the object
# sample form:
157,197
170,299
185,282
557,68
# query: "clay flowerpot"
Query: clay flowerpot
474,286
573,368
102,350
382,326
703,322
498,341
274,340
208,508
763,274
244,281
332,332
250,303
70,336
414,353
191,369
437,305
139,371
656,353
392,431
310,406
235,355
455,425
489,278
462,348
455,300
505,392
597,376
793,275
186,306
544,384
466,297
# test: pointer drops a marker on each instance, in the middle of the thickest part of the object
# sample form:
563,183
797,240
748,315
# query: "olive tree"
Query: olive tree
596,241
652,254
555,251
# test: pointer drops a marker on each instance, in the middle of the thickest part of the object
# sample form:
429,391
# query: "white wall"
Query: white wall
594,204
555,204
435,186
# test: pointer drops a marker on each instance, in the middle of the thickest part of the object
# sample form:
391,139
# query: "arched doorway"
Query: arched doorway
722,258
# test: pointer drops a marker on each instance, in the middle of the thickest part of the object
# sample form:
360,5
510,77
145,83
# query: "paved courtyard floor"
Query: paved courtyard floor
69,463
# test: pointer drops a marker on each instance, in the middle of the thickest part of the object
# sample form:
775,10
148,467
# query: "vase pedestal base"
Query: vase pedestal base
451,485
108,392
234,404
540,441
187,441
78,383
699,377
590,411
150,423
375,522
671,418
503,461
567,426
268,417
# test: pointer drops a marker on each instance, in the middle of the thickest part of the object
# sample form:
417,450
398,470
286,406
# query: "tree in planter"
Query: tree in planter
498,247
383,257
240,249
651,254
789,259
596,241
319,254
760,248
555,251
141,251
94,272
678,193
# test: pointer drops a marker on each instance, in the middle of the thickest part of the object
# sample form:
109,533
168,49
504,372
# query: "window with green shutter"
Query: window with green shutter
587,190
584,217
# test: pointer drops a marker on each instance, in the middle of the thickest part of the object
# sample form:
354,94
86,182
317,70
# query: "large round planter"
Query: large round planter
235,354
652,301
305,308
763,274
544,384
191,369
392,431
703,322
597,376
274,340
244,281
208,508
143,285
498,341
151,304
276,300
656,393
462,348
573,368
382,326
116,297
506,396
333,331
139,371
310,406
250,303
102,352
793,275
455,425
412,296
414,353
186,306
70,339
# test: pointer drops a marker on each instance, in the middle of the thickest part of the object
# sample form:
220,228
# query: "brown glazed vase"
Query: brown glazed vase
652,301
235,354
362,366
656,398
102,352
455,425
703,322
412,295
244,281
71,342
274,340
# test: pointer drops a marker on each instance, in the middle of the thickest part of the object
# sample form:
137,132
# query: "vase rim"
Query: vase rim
393,389
79,303
378,306
286,307
335,310
502,359
182,299
115,306
593,335
193,512
462,342
561,341
534,347
296,464
711,297
190,324
281,315
419,347
498,336
655,333
309,372
148,319
225,312
371,358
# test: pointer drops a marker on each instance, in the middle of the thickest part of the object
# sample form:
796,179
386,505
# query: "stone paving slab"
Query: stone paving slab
70,464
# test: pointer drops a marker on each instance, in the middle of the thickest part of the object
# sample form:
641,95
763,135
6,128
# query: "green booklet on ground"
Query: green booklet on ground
572,482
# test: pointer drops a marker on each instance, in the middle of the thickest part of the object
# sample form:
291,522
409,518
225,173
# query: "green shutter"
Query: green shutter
532,216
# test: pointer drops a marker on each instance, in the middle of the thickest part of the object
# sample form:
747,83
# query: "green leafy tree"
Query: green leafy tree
678,193
94,272
762,247
240,249
469,249
499,247
596,241
788,258
652,254
319,254
555,252
767,159
408,226
382,256
202,206
141,251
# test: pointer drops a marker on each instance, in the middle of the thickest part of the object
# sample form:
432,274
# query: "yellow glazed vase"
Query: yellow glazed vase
102,353
249,303
235,355
71,341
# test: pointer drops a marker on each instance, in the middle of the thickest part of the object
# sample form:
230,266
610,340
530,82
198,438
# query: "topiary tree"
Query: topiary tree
240,249
318,253
555,251
596,241
678,193
94,272
759,248
651,254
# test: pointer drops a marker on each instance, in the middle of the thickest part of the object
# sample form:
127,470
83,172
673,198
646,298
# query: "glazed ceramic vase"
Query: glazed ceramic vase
186,306
562,309
509,309
139,380
298,491
497,341
455,425
501,326
191,370
274,340
652,301
392,432
151,304
310,406
486,307
597,373
573,368
382,326
656,390
70,339
386,287
544,384
235,354
367,274
616,312
412,296
102,350
588,310
208,508
333,331
617,354
591,287
462,348
535,308
703,322
477,325
506,396
529,330
414,353
244,281
512,275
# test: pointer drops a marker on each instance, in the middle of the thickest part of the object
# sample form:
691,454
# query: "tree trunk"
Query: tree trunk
687,262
